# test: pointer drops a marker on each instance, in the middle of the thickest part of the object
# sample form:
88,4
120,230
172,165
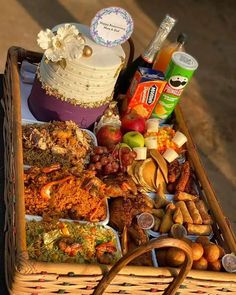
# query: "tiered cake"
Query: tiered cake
81,88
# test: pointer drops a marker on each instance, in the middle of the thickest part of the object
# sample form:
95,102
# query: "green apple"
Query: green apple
133,139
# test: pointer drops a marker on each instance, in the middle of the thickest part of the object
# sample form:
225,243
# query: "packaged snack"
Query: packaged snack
144,92
178,74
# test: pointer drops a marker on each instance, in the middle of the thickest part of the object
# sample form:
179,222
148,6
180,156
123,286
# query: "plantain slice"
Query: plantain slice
161,162
137,176
160,184
130,171
147,174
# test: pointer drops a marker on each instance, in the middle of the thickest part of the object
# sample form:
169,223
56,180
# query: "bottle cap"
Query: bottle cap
229,262
182,38
184,60
168,22
145,220
178,231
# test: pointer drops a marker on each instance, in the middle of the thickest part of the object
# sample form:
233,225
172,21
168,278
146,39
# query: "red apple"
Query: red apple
133,122
109,135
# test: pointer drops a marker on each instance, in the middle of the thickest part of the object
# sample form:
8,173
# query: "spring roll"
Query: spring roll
198,229
196,217
160,202
206,218
182,196
157,212
171,207
186,216
157,223
178,216
166,222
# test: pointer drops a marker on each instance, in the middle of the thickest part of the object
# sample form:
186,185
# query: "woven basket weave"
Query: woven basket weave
24,276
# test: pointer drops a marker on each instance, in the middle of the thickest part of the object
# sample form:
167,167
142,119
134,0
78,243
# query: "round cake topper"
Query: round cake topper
111,26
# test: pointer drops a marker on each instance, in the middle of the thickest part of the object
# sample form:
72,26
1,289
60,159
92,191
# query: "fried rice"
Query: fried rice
64,195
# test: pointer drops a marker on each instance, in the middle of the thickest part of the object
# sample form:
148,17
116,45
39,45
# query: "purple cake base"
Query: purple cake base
46,108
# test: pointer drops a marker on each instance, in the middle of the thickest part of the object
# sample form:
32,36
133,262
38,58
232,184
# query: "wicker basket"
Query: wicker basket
24,276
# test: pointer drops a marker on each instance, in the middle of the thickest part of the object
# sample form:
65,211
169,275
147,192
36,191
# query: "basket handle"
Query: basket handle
154,244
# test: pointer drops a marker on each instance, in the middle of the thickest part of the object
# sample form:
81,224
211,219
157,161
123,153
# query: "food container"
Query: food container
38,218
118,245
229,262
145,220
24,276
94,141
102,222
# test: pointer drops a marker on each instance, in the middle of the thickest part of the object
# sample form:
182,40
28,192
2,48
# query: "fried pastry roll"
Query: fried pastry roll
182,196
178,216
206,218
197,219
186,216
198,229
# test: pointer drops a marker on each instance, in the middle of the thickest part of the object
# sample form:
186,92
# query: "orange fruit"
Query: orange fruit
161,257
211,252
215,266
175,257
198,251
200,264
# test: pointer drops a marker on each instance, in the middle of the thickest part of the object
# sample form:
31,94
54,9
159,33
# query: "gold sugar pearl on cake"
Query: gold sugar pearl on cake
88,51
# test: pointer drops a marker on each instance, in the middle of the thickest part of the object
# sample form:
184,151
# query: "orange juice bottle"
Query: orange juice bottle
165,54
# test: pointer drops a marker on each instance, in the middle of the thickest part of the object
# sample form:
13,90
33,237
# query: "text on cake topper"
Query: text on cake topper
111,26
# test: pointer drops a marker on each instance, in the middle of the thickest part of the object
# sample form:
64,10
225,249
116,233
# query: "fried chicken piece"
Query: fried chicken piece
117,214
136,238
123,210
137,234
122,214
190,186
120,186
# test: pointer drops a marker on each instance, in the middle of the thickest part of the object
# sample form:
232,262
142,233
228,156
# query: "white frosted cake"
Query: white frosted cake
76,89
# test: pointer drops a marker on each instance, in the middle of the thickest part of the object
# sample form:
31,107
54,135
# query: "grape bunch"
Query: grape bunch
107,162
